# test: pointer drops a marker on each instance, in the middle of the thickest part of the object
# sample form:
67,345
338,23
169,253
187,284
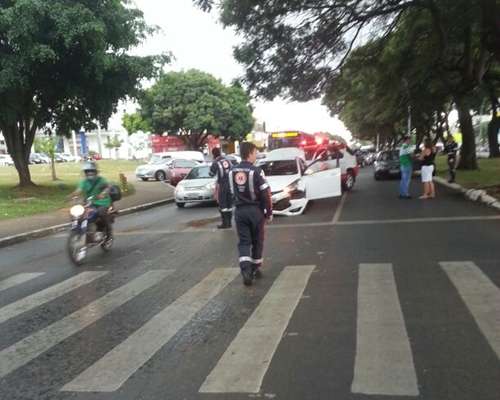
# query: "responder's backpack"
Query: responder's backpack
115,193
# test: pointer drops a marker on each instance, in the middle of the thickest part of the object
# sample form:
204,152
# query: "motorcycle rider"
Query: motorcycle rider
220,168
96,188
252,197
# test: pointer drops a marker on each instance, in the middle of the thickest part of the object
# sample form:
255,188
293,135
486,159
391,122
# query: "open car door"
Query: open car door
322,183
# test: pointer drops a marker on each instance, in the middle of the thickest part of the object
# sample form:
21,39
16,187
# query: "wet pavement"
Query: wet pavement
366,297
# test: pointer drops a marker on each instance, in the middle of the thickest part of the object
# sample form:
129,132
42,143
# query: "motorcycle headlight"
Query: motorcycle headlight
77,211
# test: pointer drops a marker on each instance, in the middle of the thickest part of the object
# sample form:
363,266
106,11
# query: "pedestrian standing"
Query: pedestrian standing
252,199
451,150
427,157
220,167
405,166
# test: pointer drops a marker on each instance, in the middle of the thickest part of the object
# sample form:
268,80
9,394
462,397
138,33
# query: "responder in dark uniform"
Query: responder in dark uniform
252,198
451,150
220,168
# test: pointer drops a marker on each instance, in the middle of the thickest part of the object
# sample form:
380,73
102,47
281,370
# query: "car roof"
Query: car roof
285,153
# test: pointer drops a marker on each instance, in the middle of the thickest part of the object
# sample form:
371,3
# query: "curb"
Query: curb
471,194
38,233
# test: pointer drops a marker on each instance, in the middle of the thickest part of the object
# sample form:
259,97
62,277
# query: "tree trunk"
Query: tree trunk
468,151
493,129
19,144
53,167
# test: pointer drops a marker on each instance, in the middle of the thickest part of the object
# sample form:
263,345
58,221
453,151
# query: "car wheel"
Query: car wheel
180,205
349,182
160,176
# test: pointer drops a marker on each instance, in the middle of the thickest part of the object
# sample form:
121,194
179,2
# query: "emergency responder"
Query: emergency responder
220,168
252,198
451,150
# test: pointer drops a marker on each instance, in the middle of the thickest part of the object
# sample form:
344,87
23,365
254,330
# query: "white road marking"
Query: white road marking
384,361
27,349
18,279
44,296
419,220
340,207
481,297
113,370
242,367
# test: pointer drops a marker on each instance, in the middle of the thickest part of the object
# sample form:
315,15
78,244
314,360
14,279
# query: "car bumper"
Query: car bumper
194,197
284,205
144,175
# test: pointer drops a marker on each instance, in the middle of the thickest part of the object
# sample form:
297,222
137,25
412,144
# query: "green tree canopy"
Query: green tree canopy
296,48
194,104
65,64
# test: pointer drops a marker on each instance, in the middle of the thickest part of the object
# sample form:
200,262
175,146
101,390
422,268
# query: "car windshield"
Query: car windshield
199,173
277,168
158,159
388,156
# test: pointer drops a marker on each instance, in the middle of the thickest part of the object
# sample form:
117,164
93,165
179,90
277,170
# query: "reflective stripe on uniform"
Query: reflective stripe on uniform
259,261
264,186
251,185
231,183
226,209
221,169
245,258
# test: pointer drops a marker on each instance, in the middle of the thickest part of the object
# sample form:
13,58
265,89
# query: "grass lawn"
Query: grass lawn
49,195
488,175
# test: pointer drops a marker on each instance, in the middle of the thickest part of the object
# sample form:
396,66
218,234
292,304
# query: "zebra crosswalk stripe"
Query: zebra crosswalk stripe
18,279
244,364
481,297
111,371
44,296
27,349
384,362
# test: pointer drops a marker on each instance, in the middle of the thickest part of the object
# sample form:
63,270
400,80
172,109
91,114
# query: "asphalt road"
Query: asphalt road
363,297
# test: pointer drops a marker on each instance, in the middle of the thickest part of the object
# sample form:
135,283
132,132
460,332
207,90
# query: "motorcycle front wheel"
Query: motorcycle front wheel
76,247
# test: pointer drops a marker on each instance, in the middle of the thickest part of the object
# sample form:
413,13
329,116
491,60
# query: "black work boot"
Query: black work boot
223,223
226,221
257,273
247,275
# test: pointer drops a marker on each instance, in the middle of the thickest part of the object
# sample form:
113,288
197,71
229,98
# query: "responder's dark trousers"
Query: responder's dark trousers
225,200
452,168
250,223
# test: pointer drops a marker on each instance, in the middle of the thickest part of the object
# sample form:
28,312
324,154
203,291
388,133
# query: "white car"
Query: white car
6,160
160,163
294,183
197,187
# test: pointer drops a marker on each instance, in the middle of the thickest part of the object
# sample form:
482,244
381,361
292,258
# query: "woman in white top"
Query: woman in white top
427,157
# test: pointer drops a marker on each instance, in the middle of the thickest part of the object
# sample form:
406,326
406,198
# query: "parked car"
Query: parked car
67,157
197,187
38,158
178,170
6,160
294,183
58,158
160,163
387,165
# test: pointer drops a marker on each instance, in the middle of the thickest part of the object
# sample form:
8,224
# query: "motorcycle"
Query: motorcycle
87,231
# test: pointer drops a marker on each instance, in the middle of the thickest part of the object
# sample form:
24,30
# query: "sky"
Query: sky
198,40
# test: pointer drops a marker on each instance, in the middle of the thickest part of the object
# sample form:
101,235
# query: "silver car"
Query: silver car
197,187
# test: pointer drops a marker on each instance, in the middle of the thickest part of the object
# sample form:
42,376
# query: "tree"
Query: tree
193,105
295,48
115,144
65,64
135,123
48,146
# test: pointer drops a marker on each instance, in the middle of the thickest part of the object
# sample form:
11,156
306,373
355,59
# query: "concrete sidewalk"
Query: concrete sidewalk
145,192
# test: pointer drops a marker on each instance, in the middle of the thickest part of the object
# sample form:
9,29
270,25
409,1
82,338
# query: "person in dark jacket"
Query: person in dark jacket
252,199
220,168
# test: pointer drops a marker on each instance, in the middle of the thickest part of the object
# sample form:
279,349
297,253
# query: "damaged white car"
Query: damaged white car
294,182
